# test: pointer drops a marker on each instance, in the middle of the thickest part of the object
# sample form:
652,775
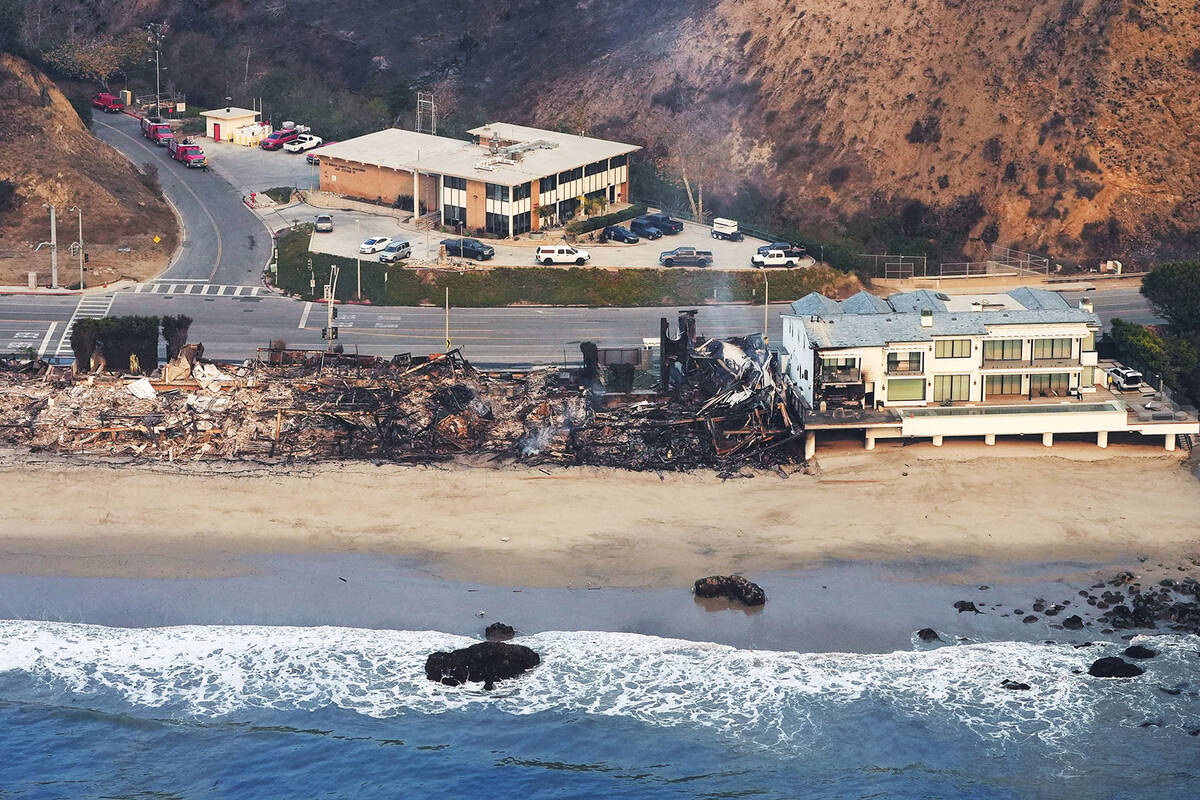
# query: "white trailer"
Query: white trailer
726,229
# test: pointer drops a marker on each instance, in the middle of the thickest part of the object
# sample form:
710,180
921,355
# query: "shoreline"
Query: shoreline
590,527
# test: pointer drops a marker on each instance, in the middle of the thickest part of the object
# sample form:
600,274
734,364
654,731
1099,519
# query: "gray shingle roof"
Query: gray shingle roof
865,321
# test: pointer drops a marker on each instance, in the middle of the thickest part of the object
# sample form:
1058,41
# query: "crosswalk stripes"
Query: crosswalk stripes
197,289
92,306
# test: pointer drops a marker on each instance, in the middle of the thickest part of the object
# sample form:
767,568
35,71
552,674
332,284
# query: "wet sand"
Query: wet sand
528,527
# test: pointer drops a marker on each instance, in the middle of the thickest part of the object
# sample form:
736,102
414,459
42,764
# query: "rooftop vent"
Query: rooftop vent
926,318
976,305
1085,304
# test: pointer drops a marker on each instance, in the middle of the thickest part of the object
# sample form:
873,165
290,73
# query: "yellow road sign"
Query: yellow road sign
157,240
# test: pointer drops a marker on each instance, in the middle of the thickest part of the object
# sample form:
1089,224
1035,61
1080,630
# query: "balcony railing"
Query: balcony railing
1028,363
905,368
832,376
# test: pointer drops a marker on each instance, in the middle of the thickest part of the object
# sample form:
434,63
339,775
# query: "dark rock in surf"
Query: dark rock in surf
485,662
1029,619
1073,623
1113,667
928,635
499,632
734,587
966,605
1137,651
1014,686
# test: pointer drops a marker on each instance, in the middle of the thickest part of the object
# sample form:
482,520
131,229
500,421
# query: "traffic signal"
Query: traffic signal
335,312
334,333
324,333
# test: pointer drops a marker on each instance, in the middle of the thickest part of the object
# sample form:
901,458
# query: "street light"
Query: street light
79,243
358,258
53,243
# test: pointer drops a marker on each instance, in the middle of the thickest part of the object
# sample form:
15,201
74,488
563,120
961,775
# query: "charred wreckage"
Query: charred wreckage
719,404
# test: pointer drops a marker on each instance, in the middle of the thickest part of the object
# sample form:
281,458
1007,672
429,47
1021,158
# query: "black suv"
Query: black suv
664,223
643,227
619,233
469,248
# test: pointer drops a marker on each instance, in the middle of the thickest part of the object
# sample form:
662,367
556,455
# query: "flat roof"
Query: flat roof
232,112
537,153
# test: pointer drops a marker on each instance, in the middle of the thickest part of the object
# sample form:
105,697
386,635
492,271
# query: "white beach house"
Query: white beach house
927,364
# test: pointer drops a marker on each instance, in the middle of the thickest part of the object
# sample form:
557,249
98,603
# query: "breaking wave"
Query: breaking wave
774,698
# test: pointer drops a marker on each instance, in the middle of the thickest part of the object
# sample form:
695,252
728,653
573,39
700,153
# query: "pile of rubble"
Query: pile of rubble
726,408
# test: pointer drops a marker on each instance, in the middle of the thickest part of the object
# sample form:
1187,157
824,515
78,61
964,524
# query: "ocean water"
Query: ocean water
279,712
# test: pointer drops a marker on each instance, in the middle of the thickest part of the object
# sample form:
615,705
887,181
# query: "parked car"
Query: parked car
726,229
468,248
305,141
788,247
324,223
775,258
643,228
664,223
1124,378
279,138
561,254
686,257
396,250
374,244
619,233
109,102
315,158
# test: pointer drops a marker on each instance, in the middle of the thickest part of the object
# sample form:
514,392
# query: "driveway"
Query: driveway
223,242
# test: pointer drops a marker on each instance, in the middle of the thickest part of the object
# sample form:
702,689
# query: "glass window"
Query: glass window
452,213
618,161
997,385
497,192
1089,377
1051,348
496,223
1089,342
1054,384
452,182
596,167
1002,350
951,387
548,183
899,389
521,223
952,348
570,175
839,362
521,192
904,362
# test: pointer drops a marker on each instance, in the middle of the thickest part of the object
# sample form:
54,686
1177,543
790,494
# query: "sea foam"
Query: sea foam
774,698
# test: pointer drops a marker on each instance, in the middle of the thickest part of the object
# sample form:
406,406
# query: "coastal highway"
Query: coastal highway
223,242
232,321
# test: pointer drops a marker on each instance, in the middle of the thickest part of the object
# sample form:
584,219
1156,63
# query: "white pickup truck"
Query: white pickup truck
775,258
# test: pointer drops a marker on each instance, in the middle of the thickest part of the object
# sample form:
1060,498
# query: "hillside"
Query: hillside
49,157
1068,126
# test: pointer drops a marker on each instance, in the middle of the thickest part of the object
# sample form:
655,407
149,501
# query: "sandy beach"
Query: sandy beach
586,527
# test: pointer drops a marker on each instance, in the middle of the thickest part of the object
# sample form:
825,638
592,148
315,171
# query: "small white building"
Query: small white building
924,363
221,123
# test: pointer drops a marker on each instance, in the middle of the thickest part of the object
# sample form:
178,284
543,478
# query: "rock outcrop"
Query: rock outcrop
1113,667
499,632
485,662
734,587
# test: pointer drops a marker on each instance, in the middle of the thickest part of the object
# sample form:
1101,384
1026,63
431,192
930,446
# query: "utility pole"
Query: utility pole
53,248
157,30
447,319
79,243
358,259
330,311
766,307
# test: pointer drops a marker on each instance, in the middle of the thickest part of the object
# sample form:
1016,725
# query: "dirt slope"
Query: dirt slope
50,157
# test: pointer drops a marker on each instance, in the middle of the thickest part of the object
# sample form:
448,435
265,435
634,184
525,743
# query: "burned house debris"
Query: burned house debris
723,405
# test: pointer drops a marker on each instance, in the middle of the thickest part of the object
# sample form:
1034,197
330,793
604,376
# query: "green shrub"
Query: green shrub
596,223
122,337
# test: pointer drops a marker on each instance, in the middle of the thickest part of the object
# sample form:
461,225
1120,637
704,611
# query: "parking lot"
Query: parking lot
252,169
350,229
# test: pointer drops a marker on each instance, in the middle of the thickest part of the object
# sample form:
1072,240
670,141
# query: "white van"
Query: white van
562,254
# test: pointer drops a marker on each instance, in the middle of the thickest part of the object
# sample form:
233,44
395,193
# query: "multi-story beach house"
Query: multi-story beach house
928,364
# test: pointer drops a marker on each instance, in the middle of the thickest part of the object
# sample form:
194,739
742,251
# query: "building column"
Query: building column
1047,439
1169,442
937,441
989,438
416,194
870,443
1102,438
810,445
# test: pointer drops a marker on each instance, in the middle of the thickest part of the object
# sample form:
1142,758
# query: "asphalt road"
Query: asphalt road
223,241
1126,303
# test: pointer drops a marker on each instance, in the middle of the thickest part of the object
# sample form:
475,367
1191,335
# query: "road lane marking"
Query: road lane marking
46,339
304,316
